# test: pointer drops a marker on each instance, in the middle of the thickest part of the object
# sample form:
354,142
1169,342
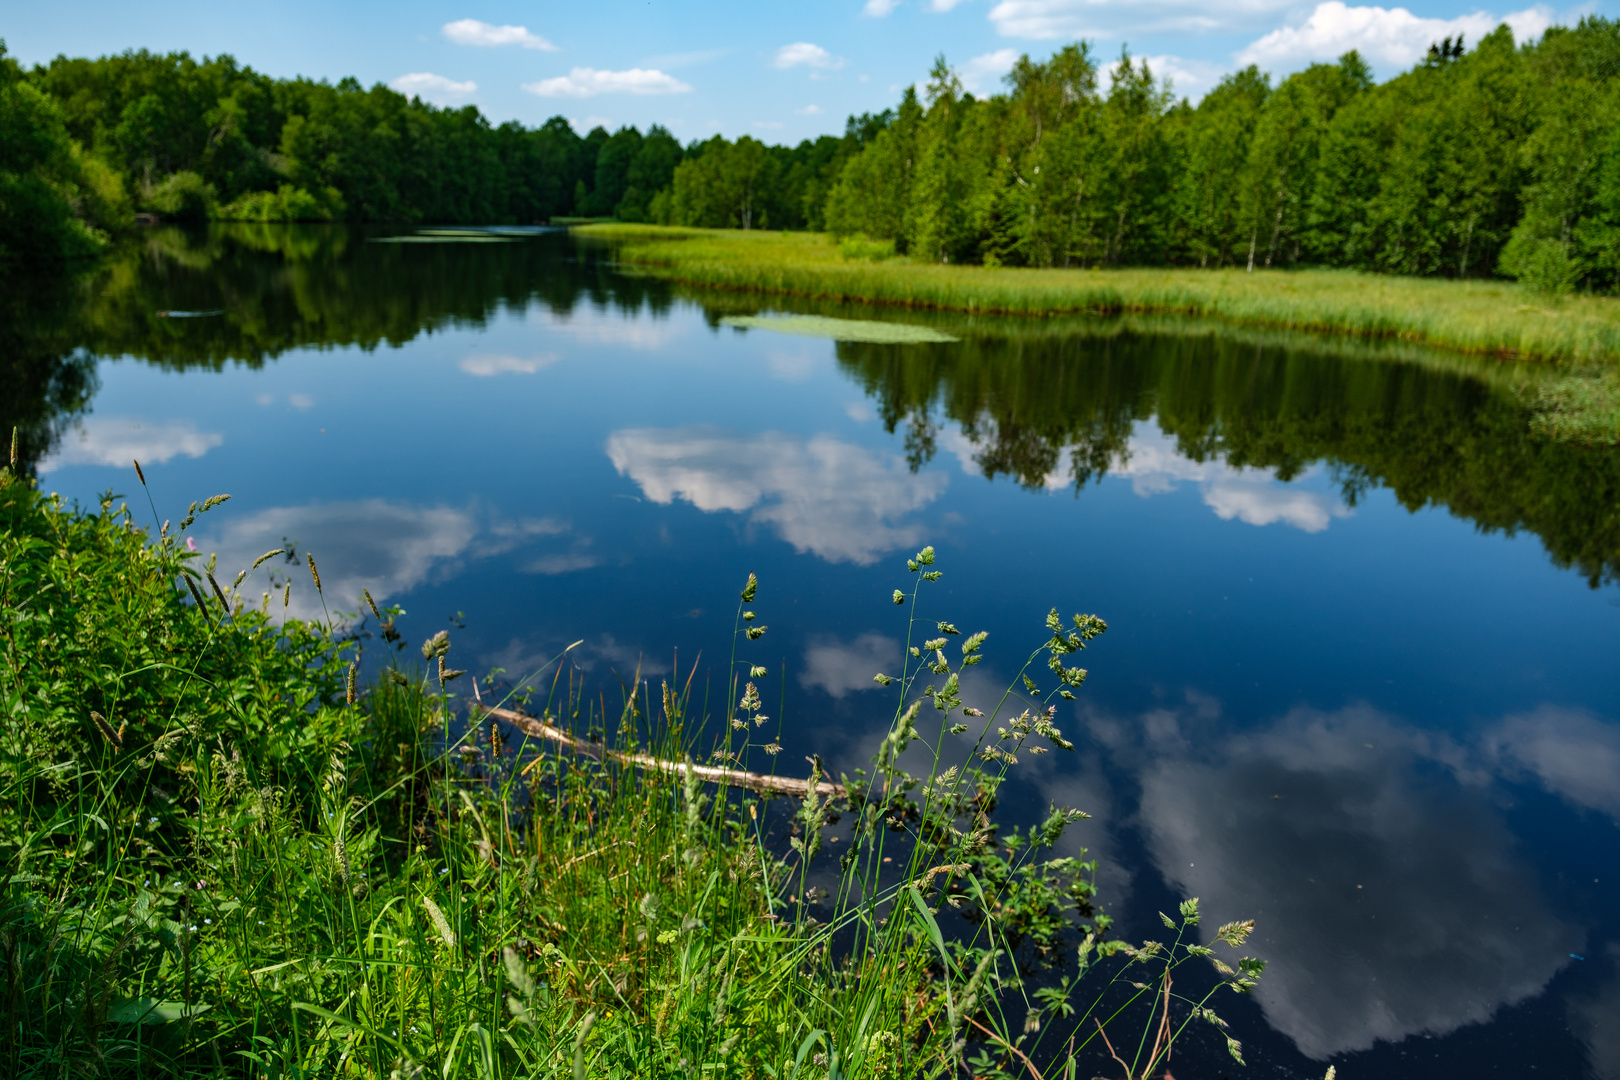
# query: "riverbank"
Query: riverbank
222,852
1492,318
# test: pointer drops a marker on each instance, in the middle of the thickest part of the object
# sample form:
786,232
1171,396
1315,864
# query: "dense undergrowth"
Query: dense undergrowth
1489,317
223,855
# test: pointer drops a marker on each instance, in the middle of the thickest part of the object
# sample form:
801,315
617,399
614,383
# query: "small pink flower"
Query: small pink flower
191,544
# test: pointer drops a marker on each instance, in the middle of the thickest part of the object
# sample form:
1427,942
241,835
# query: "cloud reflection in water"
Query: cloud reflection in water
831,498
1391,899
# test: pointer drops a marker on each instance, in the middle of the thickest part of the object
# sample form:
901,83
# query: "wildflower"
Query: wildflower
191,543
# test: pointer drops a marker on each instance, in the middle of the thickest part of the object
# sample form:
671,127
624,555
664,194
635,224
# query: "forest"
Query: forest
1486,158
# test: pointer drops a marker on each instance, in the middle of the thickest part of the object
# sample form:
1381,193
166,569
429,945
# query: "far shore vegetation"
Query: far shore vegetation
237,843
1493,318
1487,160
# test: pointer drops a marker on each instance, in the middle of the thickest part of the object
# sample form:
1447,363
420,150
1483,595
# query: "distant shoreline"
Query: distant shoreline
1499,319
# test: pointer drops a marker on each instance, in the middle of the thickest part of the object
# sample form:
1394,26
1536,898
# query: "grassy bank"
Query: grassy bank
222,853
1494,318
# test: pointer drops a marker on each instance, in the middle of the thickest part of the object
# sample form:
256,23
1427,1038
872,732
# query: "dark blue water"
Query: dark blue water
1360,679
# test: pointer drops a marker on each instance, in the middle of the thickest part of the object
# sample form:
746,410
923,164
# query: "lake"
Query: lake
1360,678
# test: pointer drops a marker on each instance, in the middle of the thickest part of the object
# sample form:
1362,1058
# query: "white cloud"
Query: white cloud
562,564
428,85
300,401
583,82
1387,37
473,32
1154,467
1057,19
388,548
836,500
1572,753
877,9
944,5
1253,496
586,123
809,110
485,366
1389,903
768,125
808,55
1189,78
119,440
981,73
841,667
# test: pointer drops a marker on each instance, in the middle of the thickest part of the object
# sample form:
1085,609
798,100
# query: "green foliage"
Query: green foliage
182,196
286,203
44,180
222,857
1490,317
1427,174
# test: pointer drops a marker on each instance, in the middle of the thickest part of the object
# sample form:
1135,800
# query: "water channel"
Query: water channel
1362,676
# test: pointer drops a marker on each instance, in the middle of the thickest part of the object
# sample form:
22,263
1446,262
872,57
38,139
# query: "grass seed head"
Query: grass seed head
196,594
370,603
266,557
440,923
224,605
138,474
313,572
749,589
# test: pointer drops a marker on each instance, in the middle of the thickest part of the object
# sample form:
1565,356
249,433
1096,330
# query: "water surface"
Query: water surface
1360,677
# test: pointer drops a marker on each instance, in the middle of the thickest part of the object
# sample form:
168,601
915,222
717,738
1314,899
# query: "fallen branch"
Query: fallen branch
775,785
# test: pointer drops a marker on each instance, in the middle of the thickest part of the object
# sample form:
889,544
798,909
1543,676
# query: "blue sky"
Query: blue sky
780,72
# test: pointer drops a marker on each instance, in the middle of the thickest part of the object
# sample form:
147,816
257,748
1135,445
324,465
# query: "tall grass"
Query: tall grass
222,854
1495,318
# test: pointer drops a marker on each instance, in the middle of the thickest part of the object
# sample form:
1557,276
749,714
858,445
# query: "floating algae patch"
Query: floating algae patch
879,333
481,239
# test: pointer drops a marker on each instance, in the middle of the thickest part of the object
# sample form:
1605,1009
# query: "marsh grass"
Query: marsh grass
223,857
1489,317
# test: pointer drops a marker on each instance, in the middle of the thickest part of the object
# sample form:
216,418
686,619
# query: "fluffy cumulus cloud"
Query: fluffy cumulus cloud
877,9
1154,467
1252,496
473,32
1387,37
1571,753
386,547
584,82
809,110
804,54
1187,78
1391,901
836,500
425,84
982,73
840,667
118,440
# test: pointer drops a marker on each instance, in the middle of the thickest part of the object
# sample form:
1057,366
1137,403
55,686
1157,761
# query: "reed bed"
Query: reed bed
223,852
1494,318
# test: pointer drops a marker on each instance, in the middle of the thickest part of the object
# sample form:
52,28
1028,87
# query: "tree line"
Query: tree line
1500,158
1494,159
90,143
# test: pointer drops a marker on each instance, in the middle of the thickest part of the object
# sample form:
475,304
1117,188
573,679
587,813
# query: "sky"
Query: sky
778,71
